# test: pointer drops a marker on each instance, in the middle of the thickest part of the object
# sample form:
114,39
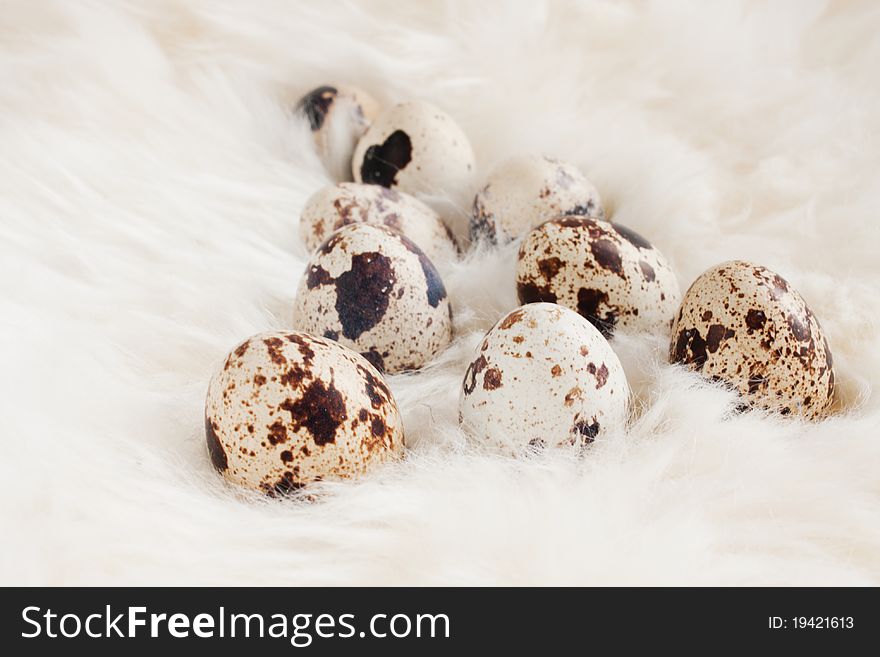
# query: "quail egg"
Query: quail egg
543,375
606,272
346,203
524,191
287,409
338,117
375,291
415,147
745,325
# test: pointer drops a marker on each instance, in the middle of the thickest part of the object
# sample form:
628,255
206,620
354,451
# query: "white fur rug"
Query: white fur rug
151,180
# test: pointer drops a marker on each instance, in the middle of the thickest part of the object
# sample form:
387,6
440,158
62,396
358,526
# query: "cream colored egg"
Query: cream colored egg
606,272
543,375
744,324
331,208
287,409
375,291
526,190
338,117
415,148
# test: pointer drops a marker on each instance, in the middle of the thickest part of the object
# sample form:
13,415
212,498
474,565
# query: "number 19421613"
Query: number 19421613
811,622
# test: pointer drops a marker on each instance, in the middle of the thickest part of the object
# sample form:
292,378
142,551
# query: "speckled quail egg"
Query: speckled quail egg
524,191
745,325
414,147
543,375
346,203
287,409
338,116
604,271
375,291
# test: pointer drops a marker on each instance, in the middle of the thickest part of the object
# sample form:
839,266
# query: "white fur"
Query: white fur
151,178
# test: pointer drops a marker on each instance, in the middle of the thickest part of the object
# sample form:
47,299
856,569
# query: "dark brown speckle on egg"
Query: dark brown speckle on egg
316,104
382,162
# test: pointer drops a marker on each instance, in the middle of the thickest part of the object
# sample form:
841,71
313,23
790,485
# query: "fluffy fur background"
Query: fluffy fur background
151,179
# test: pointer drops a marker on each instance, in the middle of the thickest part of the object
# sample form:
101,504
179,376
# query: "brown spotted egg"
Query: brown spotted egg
346,203
606,272
543,375
524,191
338,117
287,409
375,291
414,147
745,325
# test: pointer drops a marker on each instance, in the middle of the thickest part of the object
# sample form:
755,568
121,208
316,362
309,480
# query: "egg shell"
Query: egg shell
543,375
333,207
606,272
526,190
744,324
338,116
375,291
287,409
415,147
